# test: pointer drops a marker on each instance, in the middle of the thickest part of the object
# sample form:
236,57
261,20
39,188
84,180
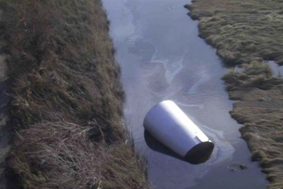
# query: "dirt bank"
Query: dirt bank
245,33
66,98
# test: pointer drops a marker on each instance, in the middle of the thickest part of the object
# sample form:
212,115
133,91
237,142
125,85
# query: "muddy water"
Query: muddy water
162,57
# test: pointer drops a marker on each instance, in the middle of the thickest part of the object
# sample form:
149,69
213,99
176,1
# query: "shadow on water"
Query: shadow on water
198,154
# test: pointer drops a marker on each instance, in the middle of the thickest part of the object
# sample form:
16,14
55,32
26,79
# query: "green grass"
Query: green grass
245,33
66,97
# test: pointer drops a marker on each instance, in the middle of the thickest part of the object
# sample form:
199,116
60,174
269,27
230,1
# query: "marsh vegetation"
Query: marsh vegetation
245,34
66,98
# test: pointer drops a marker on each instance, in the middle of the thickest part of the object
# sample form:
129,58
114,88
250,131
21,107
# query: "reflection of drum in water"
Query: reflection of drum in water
170,125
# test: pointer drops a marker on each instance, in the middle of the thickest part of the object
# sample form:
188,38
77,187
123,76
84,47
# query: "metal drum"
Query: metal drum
170,125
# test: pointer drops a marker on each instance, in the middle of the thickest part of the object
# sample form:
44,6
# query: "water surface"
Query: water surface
162,58
275,68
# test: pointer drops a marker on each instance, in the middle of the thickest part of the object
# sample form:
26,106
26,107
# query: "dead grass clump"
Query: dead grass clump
65,90
60,156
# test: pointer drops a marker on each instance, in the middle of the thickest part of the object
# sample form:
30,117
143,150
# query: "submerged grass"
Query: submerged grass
66,98
245,34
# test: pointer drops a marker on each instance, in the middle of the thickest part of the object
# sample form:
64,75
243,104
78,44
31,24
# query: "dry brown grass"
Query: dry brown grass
261,113
66,98
60,156
245,33
242,31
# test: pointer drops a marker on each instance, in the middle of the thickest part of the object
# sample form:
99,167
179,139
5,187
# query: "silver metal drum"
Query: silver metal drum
170,125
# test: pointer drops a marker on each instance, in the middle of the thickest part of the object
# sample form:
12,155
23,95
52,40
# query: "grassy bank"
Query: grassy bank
245,34
66,98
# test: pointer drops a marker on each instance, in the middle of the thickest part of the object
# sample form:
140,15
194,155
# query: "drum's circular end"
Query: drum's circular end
199,153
